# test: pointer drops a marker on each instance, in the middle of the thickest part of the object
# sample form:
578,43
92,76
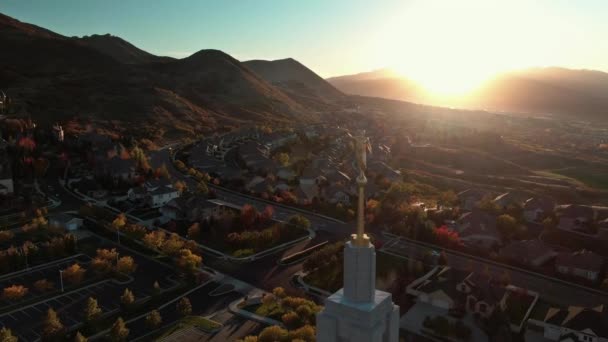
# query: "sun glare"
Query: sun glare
451,47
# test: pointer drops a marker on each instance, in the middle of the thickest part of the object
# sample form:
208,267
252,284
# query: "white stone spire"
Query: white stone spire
359,312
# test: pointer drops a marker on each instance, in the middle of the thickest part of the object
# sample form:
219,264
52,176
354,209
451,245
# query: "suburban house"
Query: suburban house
65,221
381,168
483,295
572,324
503,201
161,196
6,175
278,139
537,209
286,174
472,292
337,194
191,208
469,198
528,252
140,193
478,229
576,218
117,168
584,264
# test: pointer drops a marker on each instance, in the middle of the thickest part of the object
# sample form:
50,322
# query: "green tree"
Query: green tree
53,328
299,221
184,307
119,331
153,319
6,335
127,299
92,310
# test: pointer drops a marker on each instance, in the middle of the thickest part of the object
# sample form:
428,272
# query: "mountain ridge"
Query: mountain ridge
543,90
51,77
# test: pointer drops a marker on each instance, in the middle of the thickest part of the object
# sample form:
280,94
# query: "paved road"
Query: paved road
551,291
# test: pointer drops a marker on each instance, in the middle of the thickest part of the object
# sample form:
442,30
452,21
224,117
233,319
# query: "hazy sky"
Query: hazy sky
456,40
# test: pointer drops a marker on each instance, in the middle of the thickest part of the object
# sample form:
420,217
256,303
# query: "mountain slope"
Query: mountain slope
51,77
380,83
294,78
581,94
120,49
577,93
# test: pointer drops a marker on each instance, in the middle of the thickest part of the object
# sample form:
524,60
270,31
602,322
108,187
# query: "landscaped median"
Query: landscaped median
204,324
291,317
241,233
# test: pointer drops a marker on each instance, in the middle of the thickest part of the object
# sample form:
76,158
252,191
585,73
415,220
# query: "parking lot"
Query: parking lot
26,320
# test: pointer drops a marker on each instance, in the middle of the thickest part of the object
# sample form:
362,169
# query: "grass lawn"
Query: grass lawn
590,176
273,310
387,267
199,322
517,306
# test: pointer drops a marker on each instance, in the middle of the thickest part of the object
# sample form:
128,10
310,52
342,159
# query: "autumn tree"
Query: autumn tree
194,231
74,274
446,237
92,311
202,188
127,299
248,215
14,292
119,222
155,239
180,186
267,213
172,245
100,265
162,171
548,224
184,307
306,333
273,333
283,158
126,265
156,290
180,165
279,292
43,285
507,226
188,261
299,221
53,328
6,235
140,159
153,319
79,337
119,331
6,335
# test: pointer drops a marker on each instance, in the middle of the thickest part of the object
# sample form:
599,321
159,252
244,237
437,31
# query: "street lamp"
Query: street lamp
61,279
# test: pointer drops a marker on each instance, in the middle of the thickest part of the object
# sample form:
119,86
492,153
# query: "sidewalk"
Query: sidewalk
234,308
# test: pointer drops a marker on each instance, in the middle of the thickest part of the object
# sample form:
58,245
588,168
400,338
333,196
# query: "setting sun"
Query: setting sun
450,48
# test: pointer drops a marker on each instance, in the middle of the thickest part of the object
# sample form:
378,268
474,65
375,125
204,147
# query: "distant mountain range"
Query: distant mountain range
579,94
107,80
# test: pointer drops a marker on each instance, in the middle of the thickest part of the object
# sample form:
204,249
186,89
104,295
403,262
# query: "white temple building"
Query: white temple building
358,312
